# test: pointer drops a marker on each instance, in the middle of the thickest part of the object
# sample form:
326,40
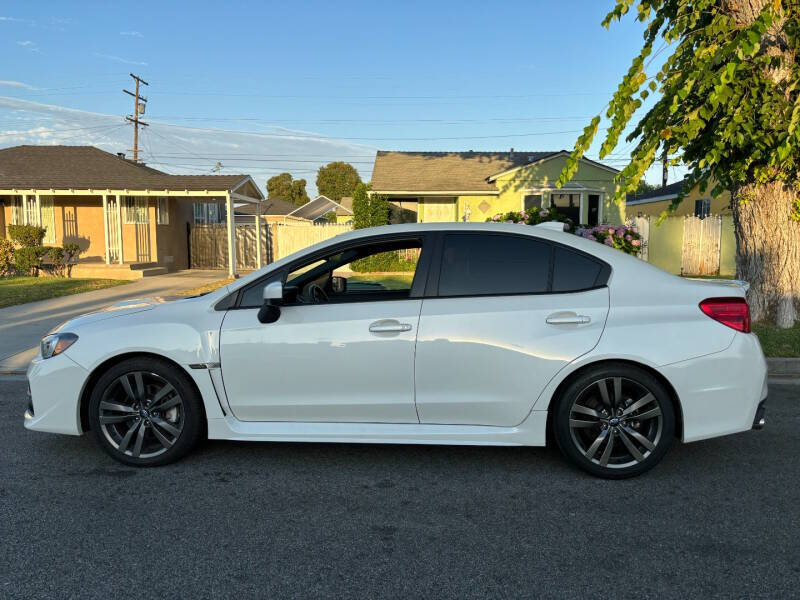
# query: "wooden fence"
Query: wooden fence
689,245
209,243
287,239
701,245
209,246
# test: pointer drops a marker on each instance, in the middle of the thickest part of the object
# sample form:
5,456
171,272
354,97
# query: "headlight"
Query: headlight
56,343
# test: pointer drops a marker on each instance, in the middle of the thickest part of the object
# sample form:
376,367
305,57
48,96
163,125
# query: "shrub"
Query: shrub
26,235
28,259
621,237
6,257
533,216
62,258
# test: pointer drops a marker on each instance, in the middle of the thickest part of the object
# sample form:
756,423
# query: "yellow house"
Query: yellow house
652,204
475,186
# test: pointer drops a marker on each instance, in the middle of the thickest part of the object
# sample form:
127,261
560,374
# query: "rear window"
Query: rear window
573,271
475,265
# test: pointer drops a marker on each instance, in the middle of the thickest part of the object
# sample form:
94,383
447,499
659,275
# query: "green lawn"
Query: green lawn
18,290
391,281
778,342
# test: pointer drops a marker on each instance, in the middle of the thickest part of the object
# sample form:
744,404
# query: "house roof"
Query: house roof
87,167
667,192
270,206
318,207
346,207
445,171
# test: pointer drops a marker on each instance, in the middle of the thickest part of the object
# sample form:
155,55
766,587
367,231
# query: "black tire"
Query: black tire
128,408
584,426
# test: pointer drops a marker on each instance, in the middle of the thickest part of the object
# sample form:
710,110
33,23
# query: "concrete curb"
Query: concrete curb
784,367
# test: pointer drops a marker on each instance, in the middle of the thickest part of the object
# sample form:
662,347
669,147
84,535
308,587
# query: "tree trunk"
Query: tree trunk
768,250
767,239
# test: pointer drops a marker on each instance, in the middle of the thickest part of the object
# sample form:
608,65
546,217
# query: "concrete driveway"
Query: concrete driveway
24,325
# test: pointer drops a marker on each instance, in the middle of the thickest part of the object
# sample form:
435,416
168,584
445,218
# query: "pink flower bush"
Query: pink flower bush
621,237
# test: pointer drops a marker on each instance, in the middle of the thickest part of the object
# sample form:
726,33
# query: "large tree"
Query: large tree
728,109
284,187
337,180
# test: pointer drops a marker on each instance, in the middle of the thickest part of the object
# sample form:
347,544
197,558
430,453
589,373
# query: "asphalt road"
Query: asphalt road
716,518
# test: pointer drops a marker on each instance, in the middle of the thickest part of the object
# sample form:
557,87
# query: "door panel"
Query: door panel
323,363
485,360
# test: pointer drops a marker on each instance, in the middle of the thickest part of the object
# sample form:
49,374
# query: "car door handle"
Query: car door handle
389,326
567,319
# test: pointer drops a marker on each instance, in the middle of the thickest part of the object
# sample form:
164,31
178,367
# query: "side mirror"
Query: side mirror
272,294
338,284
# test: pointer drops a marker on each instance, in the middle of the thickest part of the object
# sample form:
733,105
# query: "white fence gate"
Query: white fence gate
701,245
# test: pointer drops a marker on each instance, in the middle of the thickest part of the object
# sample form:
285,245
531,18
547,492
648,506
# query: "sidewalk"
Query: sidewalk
23,326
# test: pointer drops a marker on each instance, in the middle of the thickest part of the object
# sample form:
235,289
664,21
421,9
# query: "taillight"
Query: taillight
732,312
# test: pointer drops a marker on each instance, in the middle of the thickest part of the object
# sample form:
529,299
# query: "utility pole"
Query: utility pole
218,167
138,109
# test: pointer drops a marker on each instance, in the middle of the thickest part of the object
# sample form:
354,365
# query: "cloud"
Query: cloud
131,33
120,59
29,45
13,20
178,149
16,84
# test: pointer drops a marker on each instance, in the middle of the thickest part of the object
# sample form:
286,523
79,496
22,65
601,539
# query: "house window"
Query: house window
209,213
532,201
162,211
136,210
568,205
23,211
702,208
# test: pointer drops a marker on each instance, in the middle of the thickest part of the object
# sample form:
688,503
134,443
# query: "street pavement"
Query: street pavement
719,518
23,326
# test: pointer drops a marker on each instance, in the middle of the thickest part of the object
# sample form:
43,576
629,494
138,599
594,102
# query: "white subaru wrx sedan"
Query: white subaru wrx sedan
493,334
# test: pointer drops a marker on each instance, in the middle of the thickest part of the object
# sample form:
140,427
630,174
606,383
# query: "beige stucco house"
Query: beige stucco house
129,219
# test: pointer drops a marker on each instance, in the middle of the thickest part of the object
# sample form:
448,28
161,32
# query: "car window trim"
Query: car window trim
417,285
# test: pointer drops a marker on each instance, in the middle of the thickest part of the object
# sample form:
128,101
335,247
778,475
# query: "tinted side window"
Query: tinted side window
573,271
474,264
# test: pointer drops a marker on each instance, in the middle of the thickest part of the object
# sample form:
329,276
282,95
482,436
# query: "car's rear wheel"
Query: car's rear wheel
144,412
614,421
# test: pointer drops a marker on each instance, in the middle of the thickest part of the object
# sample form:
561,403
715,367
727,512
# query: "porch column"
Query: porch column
258,237
105,226
38,209
119,226
231,236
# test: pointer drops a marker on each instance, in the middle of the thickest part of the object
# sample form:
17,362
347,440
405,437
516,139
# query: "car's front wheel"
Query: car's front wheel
614,420
144,412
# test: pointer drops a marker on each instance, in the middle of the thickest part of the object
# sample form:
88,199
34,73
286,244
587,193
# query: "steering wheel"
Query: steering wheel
316,294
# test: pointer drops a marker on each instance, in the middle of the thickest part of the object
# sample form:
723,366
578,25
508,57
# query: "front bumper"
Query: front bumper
55,387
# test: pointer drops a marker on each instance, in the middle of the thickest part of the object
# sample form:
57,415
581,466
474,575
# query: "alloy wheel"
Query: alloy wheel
141,414
616,422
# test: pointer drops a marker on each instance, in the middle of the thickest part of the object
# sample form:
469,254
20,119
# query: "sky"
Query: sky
266,87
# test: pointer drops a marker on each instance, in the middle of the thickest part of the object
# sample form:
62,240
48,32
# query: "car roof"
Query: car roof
610,255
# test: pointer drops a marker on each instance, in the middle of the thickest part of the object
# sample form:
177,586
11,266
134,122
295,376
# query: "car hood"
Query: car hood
118,309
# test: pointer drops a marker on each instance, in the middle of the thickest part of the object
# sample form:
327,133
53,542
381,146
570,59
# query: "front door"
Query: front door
342,349
594,210
503,324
